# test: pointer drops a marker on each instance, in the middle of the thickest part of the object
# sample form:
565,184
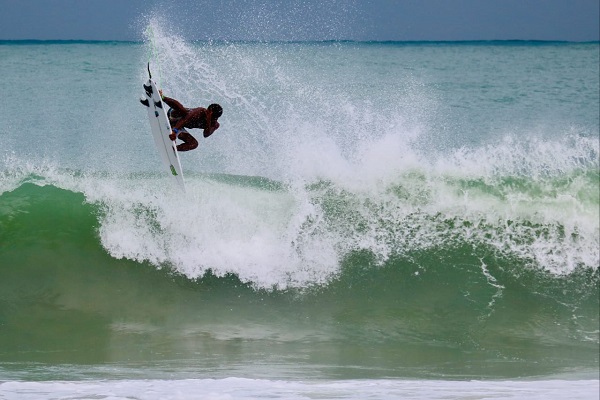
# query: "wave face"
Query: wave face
426,293
365,214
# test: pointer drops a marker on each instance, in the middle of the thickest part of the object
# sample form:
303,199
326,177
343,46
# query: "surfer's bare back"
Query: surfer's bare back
181,118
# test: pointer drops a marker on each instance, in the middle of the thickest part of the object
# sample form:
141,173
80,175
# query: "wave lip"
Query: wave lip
538,208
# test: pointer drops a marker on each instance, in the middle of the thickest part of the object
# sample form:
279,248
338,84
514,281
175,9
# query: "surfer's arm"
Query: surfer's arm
211,129
175,105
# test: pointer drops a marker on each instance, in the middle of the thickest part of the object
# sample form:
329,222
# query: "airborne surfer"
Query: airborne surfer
181,118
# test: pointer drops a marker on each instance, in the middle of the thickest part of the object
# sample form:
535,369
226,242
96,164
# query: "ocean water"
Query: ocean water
371,221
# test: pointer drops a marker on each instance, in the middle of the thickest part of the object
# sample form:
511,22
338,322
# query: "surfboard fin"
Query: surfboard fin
158,104
148,90
145,102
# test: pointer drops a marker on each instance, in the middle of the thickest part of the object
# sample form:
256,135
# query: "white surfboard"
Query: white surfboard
161,128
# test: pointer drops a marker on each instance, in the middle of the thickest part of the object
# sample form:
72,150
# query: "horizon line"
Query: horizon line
466,41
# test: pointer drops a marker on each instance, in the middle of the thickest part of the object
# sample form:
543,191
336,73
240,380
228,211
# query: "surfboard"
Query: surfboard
161,128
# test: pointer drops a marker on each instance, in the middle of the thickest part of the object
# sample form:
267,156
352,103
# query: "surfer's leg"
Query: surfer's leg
189,142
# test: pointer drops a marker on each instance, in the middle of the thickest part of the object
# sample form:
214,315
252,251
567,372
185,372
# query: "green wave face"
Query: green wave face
441,301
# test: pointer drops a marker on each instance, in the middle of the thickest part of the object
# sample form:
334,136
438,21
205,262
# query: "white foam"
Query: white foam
241,388
215,226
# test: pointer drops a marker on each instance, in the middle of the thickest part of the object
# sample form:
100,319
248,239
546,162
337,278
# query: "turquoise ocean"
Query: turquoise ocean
378,220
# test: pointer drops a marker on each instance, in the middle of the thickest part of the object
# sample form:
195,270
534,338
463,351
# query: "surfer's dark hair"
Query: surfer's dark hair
216,110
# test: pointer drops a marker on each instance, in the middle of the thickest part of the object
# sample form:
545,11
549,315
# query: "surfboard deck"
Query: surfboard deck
161,128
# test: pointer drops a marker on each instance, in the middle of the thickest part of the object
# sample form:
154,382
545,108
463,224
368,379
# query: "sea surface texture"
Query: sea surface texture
371,221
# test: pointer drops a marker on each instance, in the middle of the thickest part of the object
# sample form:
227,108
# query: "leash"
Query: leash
153,54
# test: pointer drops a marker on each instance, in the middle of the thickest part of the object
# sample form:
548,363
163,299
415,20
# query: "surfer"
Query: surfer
181,117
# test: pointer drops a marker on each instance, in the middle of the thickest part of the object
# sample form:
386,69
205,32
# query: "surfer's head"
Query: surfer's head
215,110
